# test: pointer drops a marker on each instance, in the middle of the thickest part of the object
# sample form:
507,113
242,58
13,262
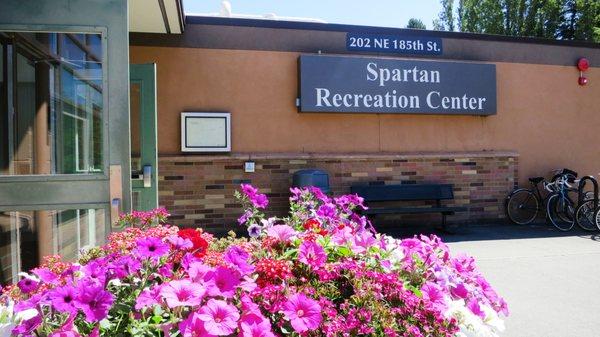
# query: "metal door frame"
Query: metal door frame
145,75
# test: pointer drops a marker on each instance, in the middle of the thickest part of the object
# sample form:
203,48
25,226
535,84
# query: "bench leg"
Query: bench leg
445,224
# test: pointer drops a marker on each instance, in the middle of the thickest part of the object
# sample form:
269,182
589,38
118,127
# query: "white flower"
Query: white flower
29,276
492,319
472,325
266,223
8,319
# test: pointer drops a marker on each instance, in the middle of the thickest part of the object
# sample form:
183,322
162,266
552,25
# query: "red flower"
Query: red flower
311,223
315,226
200,245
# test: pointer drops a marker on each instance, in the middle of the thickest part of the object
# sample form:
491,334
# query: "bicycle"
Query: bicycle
586,215
524,204
560,206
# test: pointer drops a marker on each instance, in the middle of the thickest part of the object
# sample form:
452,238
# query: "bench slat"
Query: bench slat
404,192
414,210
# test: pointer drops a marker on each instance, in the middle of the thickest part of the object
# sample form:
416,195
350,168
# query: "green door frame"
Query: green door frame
146,187
108,17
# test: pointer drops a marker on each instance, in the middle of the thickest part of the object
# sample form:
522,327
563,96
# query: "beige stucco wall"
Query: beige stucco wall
543,113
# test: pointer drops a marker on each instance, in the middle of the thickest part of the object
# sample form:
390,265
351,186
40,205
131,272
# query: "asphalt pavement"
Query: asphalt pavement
550,279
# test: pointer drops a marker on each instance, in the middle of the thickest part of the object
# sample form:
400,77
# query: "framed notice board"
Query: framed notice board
205,132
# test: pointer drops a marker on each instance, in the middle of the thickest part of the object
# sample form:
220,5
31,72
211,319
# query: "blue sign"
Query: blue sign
386,85
396,44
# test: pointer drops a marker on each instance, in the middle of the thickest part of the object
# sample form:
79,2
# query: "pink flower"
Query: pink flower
181,293
433,294
180,243
282,233
94,301
256,330
63,299
473,305
460,291
222,282
193,327
67,330
303,313
239,258
312,254
328,211
147,298
28,284
219,317
152,248
362,242
257,199
198,271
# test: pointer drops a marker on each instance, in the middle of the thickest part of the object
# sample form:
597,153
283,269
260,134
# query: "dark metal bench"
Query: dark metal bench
413,192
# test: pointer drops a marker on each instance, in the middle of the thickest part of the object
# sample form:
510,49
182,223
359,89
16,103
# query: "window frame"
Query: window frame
102,31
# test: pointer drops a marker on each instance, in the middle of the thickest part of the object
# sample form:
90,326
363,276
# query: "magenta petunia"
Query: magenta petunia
222,282
434,295
93,300
257,199
219,317
283,233
192,326
256,330
303,313
95,271
239,258
63,299
459,291
180,293
198,271
328,211
312,254
148,298
28,284
473,305
150,247
26,327
180,243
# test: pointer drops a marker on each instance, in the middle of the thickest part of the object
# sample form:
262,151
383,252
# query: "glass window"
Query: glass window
54,109
3,113
26,236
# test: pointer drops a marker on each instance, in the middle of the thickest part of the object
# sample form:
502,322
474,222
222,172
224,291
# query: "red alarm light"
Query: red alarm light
583,64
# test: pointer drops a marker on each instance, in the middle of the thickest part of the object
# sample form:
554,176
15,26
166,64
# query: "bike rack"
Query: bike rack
582,186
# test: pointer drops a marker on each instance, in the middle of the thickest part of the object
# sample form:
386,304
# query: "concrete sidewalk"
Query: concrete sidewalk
551,280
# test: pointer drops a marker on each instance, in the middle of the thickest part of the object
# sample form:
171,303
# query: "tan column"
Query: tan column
42,154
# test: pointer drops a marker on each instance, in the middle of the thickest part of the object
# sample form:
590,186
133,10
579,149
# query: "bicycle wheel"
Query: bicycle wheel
522,206
560,212
584,216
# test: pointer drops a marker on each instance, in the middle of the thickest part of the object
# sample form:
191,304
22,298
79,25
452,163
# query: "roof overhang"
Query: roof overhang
156,16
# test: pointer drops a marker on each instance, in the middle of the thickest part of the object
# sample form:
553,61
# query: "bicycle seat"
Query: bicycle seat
536,180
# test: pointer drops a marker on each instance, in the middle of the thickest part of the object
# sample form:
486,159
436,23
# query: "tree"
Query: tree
558,19
445,20
416,24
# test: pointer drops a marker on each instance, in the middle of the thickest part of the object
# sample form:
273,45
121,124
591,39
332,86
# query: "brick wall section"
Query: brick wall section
198,190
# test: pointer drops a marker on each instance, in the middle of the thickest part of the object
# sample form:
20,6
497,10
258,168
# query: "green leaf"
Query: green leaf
344,251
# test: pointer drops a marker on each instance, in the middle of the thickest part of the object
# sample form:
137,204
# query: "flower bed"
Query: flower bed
321,271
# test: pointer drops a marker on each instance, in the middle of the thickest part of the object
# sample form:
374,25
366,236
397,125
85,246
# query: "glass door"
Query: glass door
143,136
54,172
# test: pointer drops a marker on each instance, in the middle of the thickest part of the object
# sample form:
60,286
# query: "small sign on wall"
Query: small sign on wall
205,132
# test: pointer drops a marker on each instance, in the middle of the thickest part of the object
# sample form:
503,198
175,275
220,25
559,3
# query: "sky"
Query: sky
383,13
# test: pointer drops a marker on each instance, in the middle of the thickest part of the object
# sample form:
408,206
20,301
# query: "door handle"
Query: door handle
147,176
115,211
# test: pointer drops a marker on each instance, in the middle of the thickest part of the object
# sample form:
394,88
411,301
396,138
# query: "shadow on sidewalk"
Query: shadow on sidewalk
500,231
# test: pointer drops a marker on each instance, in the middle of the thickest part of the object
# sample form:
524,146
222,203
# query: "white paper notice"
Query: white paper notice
206,132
